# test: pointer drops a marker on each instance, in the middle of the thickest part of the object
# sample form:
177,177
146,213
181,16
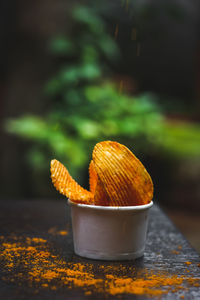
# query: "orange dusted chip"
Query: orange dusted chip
96,187
124,177
101,197
67,186
93,177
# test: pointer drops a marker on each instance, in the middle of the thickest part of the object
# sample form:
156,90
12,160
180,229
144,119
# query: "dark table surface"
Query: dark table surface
24,223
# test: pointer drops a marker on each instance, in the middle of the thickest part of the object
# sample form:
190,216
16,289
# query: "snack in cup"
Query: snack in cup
109,222
116,177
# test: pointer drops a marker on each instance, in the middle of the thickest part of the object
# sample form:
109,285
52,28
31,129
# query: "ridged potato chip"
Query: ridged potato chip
67,186
100,196
93,177
97,188
124,177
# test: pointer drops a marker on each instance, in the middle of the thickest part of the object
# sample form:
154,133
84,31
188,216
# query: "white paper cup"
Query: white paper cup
109,232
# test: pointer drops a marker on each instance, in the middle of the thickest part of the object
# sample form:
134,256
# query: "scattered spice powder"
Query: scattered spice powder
55,231
175,252
62,232
36,240
188,263
30,261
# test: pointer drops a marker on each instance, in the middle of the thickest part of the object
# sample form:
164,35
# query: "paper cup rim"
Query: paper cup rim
112,208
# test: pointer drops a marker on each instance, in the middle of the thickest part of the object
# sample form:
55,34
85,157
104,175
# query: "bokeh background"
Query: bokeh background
74,73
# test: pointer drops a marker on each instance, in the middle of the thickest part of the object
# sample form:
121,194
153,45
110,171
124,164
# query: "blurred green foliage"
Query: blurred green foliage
86,107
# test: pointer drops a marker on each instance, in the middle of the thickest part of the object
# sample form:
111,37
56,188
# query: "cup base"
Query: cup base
108,256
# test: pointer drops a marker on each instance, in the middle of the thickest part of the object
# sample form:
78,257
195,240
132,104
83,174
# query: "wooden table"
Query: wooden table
46,224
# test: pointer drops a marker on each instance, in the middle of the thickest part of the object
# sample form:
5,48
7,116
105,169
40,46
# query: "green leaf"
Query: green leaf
88,17
29,126
90,71
61,45
183,140
109,47
89,54
53,87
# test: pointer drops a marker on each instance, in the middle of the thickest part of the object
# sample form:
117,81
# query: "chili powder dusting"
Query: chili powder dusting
30,261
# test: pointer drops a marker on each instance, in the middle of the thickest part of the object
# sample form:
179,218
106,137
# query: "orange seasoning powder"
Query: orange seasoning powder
30,261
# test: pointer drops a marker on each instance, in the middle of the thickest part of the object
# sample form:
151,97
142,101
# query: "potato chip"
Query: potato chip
124,177
93,177
100,196
67,186
96,187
